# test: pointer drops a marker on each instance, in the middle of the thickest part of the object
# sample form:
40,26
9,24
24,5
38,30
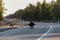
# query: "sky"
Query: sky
13,5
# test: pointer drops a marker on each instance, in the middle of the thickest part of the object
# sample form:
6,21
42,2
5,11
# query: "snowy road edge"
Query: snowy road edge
45,32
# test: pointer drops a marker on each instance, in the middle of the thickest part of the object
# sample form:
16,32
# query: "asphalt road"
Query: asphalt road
54,34
40,32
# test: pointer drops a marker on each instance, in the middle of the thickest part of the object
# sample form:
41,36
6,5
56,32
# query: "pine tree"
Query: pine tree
1,10
45,12
58,3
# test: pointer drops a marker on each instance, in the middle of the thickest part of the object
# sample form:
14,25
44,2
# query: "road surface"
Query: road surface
54,34
41,31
